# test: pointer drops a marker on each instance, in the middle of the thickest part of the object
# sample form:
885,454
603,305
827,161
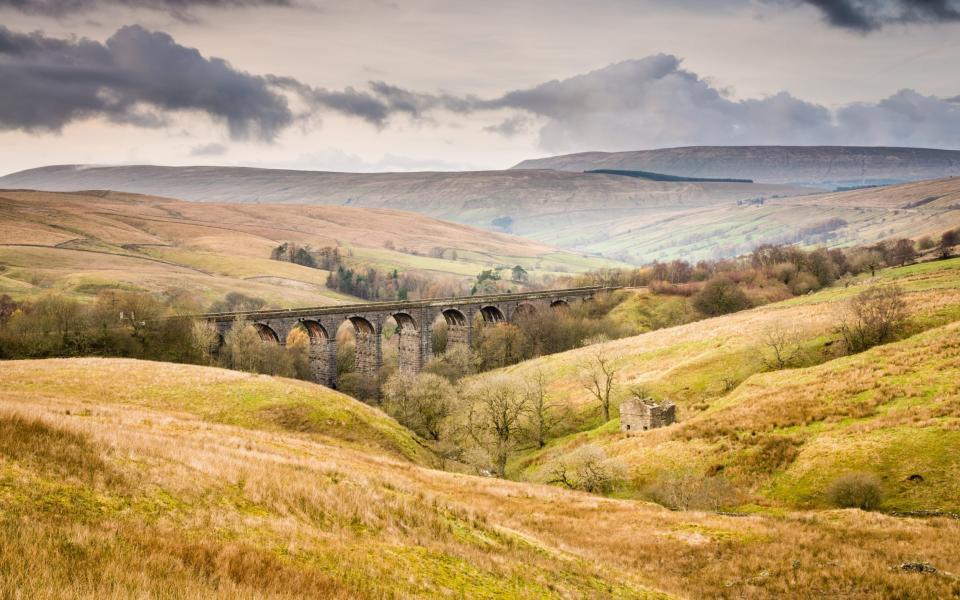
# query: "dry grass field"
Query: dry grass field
823,166
622,218
781,435
860,217
122,478
82,242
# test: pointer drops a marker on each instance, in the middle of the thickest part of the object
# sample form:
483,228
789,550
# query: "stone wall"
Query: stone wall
323,361
369,353
410,355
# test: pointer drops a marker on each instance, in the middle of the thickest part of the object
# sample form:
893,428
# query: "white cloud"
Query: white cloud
654,102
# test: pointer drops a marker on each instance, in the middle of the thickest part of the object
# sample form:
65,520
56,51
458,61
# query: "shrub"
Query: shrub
855,490
804,283
688,491
501,345
438,338
587,468
875,315
720,296
237,302
948,240
454,364
420,402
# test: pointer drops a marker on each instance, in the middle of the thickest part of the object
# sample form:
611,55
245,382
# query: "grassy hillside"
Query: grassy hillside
781,436
214,396
81,243
858,217
816,165
567,210
122,478
624,218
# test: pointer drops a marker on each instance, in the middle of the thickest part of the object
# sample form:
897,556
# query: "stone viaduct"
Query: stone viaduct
414,320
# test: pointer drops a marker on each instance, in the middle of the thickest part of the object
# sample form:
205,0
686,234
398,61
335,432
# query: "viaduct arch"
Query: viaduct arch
414,322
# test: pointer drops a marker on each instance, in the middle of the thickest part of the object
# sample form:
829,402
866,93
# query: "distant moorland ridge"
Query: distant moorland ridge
807,165
629,219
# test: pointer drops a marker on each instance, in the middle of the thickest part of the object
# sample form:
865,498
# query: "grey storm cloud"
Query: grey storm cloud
138,77
376,105
181,9
870,15
510,127
654,102
143,78
211,149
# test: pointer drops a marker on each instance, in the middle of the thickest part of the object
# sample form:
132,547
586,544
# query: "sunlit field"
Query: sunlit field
108,490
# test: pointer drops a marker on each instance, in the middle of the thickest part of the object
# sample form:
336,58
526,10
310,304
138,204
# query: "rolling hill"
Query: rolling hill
821,166
855,217
122,477
623,218
780,436
567,210
83,242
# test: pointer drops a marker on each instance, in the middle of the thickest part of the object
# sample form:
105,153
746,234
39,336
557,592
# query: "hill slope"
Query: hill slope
781,436
856,217
107,492
624,218
805,165
83,242
552,207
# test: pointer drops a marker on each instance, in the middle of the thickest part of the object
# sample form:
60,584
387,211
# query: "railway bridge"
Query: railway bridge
414,319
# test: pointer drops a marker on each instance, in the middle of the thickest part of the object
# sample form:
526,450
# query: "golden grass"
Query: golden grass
33,272
781,437
194,508
210,247
216,396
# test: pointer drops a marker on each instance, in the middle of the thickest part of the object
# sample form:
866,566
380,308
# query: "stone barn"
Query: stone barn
641,414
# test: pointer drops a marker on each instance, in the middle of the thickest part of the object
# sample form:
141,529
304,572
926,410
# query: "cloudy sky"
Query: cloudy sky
367,85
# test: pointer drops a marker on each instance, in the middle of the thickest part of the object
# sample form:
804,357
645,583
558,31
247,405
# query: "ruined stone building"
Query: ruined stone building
641,414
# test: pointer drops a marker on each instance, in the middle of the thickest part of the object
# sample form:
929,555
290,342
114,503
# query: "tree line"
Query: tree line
769,273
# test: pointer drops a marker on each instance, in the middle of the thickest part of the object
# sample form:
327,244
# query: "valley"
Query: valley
779,434
81,243
200,481
187,481
526,300
618,218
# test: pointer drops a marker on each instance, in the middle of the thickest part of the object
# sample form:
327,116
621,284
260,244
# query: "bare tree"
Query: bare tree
598,377
874,316
903,252
241,346
244,349
690,491
587,468
421,402
948,240
783,346
494,419
541,410
204,337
